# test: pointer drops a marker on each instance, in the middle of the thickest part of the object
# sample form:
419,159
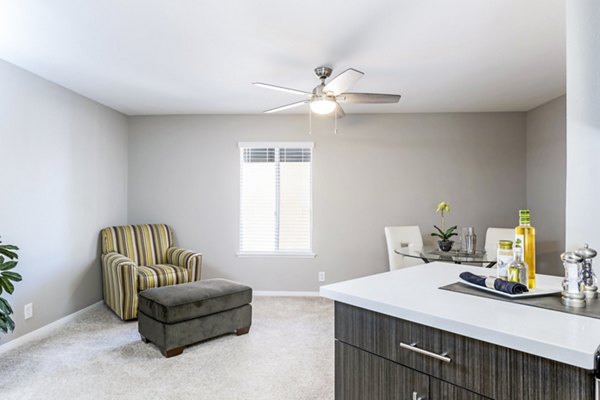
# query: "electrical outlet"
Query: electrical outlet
28,310
321,276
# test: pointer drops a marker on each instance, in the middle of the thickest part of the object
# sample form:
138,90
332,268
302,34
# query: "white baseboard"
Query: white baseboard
44,330
285,293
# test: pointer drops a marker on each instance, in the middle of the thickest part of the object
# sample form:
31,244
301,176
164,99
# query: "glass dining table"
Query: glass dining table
431,253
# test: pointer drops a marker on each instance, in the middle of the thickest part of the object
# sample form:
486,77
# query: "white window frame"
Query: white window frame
289,254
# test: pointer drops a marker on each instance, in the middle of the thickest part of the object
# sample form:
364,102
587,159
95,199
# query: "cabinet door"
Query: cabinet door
360,375
440,390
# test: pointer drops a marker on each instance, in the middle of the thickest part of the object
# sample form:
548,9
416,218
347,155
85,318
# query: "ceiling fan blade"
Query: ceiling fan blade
282,89
373,98
343,81
286,107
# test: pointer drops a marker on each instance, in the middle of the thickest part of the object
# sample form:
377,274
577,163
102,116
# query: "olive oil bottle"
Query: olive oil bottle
525,238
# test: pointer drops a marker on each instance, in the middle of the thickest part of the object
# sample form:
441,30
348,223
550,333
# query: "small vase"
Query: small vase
445,245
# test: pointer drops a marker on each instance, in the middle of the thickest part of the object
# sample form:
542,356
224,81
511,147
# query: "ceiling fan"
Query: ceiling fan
326,98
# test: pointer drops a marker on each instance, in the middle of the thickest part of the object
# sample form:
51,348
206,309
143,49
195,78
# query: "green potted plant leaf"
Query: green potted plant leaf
444,244
8,261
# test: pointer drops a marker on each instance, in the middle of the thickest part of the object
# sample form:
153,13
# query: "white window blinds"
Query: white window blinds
276,198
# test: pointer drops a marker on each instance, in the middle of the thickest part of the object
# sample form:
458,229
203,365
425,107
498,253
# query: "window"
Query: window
276,198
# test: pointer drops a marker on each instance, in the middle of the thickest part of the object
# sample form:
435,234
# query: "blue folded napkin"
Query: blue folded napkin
494,283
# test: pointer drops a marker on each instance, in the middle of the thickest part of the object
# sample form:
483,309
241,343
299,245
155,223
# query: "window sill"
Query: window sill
277,254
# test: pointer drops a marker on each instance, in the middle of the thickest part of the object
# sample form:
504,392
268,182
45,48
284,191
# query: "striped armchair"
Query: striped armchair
138,257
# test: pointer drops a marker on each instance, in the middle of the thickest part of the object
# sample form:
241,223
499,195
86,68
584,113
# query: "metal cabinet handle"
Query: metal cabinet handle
416,396
413,347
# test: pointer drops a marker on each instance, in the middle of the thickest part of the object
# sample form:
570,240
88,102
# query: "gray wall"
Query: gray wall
583,124
63,176
546,181
379,170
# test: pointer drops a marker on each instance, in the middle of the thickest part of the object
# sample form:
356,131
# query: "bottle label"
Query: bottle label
503,261
513,275
520,242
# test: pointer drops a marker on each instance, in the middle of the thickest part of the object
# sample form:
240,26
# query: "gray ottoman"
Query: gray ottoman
173,317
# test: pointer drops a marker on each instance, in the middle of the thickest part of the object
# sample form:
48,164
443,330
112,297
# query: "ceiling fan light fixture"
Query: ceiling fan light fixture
325,98
323,106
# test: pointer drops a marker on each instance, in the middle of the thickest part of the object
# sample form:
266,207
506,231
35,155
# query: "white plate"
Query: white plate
538,291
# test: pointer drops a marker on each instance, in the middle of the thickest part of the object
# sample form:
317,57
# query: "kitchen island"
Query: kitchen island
398,336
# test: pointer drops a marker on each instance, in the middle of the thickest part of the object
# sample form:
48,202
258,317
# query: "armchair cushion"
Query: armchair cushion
159,275
187,259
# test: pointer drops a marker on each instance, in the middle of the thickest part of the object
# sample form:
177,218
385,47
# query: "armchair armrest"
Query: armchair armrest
186,259
119,275
113,260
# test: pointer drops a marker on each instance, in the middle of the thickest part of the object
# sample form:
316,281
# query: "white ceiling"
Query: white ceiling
195,56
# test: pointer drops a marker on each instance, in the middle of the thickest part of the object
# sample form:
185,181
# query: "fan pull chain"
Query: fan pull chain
335,122
309,121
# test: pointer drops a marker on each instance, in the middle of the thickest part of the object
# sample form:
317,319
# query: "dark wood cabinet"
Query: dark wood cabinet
444,390
457,367
363,376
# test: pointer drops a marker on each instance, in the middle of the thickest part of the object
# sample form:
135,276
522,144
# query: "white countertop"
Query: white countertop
412,294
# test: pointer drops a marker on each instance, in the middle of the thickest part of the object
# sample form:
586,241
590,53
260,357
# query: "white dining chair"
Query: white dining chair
402,236
493,235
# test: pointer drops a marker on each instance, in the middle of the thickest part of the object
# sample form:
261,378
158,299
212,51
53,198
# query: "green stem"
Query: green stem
443,224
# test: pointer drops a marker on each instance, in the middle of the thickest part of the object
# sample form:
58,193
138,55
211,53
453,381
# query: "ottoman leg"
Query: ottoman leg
144,339
172,352
242,331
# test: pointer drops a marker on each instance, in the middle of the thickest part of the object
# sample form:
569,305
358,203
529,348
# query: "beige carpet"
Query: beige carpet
288,354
